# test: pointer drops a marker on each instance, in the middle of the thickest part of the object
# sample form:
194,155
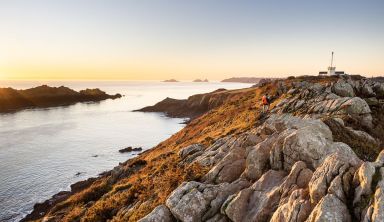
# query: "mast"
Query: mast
332,60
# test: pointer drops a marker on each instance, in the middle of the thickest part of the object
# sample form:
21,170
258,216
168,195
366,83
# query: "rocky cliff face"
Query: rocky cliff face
192,107
316,156
45,96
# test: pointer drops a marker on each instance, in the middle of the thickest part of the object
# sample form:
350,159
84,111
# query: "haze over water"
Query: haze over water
42,150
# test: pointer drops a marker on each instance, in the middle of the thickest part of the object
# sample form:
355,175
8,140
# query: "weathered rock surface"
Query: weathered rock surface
298,173
343,89
193,201
257,202
330,208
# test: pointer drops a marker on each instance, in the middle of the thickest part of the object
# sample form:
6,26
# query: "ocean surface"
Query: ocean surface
44,151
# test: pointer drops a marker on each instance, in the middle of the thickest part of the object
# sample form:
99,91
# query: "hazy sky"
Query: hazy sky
214,39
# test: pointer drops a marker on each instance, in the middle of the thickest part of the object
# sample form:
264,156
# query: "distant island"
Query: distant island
199,80
243,79
45,96
170,80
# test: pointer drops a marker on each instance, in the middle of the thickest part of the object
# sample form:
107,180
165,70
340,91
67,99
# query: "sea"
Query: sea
44,151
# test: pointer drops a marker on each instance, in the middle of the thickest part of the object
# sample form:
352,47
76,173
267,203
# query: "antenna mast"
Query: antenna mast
332,60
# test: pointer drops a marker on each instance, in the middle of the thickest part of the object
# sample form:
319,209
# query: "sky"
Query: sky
162,39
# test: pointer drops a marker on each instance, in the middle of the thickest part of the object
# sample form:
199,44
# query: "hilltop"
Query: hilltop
316,156
45,96
244,79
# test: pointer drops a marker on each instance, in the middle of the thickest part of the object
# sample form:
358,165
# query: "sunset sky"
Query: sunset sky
214,39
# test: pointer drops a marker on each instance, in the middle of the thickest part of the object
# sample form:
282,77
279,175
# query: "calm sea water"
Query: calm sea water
42,151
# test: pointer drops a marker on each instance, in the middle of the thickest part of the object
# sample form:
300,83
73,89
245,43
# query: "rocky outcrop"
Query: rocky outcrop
44,96
193,201
288,169
343,89
330,208
257,202
192,107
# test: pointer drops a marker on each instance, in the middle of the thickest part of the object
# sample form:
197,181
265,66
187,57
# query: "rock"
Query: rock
297,209
217,151
194,201
343,89
356,106
257,161
372,101
189,150
229,168
298,178
367,90
282,122
308,144
333,176
379,89
378,203
330,208
159,214
363,144
130,149
251,139
258,202
367,180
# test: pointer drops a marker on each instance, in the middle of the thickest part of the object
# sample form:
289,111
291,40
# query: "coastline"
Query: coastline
215,149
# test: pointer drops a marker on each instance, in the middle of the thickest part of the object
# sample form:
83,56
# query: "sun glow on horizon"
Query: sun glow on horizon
135,40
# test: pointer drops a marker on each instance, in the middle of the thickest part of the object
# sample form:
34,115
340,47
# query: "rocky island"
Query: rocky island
45,96
200,80
316,156
170,80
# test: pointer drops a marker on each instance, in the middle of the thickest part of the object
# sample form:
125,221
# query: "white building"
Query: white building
331,70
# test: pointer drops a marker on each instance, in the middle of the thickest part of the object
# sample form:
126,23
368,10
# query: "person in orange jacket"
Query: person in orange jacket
265,102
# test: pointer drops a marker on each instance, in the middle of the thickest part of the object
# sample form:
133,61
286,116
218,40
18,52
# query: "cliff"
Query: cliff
45,96
316,156
192,107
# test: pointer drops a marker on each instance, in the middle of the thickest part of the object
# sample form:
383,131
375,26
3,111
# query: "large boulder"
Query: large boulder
297,208
379,89
217,151
333,176
273,189
298,178
229,168
310,144
330,208
367,91
194,201
343,89
363,144
257,161
258,202
189,150
375,212
368,181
